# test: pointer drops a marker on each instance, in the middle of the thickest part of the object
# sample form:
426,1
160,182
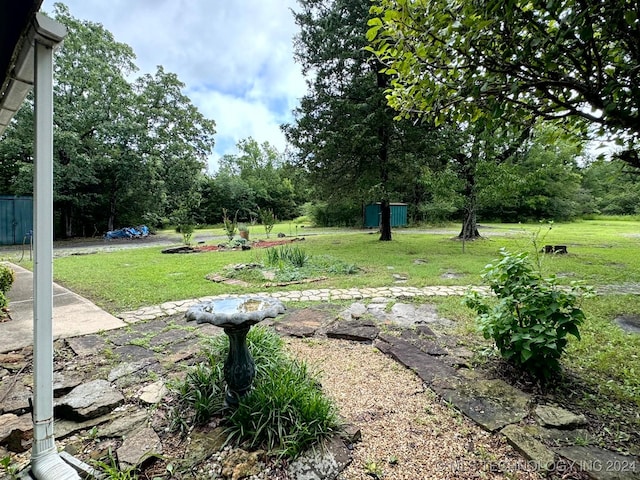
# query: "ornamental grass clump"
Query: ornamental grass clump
286,411
532,317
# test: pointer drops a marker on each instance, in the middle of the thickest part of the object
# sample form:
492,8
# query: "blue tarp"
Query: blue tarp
128,232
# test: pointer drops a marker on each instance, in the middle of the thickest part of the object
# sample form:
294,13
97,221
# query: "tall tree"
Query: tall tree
123,151
556,60
344,131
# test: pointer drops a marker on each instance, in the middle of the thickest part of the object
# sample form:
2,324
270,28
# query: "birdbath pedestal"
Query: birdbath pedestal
236,316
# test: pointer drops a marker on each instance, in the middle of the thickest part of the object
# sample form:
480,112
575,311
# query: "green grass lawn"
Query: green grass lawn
600,252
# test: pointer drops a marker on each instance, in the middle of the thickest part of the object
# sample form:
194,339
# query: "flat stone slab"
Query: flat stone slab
89,400
138,447
123,424
601,464
353,330
427,367
86,345
556,417
125,369
16,432
541,457
629,323
321,463
15,396
424,344
302,323
492,404
132,353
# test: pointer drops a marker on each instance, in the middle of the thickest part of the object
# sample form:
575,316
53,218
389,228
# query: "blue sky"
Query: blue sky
235,57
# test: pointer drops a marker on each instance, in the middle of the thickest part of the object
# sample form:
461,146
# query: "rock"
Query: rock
302,323
541,457
240,464
89,400
355,311
492,404
15,396
427,346
65,381
426,367
351,434
153,393
132,353
12,361
141,446
424,330
129,368
203,445
601,464
16,432
65,428
566,437
353,330
556,417
629,323
122,424
86,345
321,463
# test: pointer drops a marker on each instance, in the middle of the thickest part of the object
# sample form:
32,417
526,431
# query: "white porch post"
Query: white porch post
45,461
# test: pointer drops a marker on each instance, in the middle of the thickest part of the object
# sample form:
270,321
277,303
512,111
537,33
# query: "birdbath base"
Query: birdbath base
236,316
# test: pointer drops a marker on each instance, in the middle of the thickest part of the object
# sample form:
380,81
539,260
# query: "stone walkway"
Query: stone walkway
328,295
103,380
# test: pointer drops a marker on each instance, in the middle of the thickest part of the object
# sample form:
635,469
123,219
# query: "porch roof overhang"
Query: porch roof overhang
20,26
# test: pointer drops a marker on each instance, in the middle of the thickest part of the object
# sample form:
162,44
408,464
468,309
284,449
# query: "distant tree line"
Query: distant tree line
129,152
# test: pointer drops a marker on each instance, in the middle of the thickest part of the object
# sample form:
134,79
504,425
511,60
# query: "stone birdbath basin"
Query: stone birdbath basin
236,316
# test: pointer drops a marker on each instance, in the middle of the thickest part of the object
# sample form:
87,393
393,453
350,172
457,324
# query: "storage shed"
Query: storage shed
16,219
372,213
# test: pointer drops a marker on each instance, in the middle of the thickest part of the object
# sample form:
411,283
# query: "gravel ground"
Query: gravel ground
407,431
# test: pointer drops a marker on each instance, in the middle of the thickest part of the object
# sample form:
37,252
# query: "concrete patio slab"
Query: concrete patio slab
73,314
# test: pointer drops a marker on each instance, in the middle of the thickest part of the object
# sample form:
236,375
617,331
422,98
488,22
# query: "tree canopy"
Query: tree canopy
125,152
344,133
574,60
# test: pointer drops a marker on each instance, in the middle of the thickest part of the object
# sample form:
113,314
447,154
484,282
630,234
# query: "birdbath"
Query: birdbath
236,316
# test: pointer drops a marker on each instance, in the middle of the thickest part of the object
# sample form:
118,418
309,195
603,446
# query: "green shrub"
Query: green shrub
532,316
3,303
286,411
7,277
268,219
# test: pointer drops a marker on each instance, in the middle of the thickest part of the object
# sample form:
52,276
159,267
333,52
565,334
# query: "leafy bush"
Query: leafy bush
7,277
286,411
532,316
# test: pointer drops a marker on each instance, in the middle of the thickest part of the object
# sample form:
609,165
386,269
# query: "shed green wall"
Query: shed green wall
398,215
16,219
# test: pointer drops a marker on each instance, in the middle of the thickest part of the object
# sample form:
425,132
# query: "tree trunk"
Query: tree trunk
112,213
385,221
383,158
469,229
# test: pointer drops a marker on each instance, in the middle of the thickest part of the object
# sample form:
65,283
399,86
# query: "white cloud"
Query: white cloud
236,58
238,118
